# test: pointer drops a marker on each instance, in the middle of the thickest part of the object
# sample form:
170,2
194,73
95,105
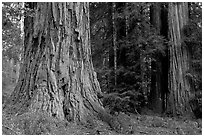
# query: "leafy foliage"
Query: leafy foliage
193,40
134,54
11,35
11,41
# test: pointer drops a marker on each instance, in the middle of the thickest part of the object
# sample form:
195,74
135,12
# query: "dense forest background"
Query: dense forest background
141,48
133,54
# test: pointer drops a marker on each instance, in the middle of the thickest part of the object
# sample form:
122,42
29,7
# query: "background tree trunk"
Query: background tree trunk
155,93
178,103
114,42
57,75
126,20
164,58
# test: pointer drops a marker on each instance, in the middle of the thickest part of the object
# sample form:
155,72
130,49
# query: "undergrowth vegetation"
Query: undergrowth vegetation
39,124
138,45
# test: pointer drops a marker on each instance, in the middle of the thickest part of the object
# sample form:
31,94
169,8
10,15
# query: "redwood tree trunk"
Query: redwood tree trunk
57,76
155,92
178,103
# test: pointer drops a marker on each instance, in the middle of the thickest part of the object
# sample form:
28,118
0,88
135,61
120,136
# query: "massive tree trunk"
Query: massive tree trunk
179,86
57,75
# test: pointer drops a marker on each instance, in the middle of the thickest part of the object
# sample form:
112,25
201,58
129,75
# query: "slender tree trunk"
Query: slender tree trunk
126,21
143,68
110,48
114,43
179,86
155,93
155,11
164,58
57,75
18,64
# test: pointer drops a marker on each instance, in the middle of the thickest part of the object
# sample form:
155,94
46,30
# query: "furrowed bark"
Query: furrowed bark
179,61
57,76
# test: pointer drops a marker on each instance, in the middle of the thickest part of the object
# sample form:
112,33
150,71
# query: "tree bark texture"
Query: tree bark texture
179,87
57,76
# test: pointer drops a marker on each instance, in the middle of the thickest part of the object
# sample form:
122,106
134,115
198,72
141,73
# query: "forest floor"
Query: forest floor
30,124
141,125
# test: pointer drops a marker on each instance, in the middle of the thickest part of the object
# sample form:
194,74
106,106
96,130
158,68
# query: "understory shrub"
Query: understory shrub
196,104
128,101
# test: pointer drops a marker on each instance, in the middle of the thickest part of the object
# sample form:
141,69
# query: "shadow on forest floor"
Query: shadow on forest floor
30,124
